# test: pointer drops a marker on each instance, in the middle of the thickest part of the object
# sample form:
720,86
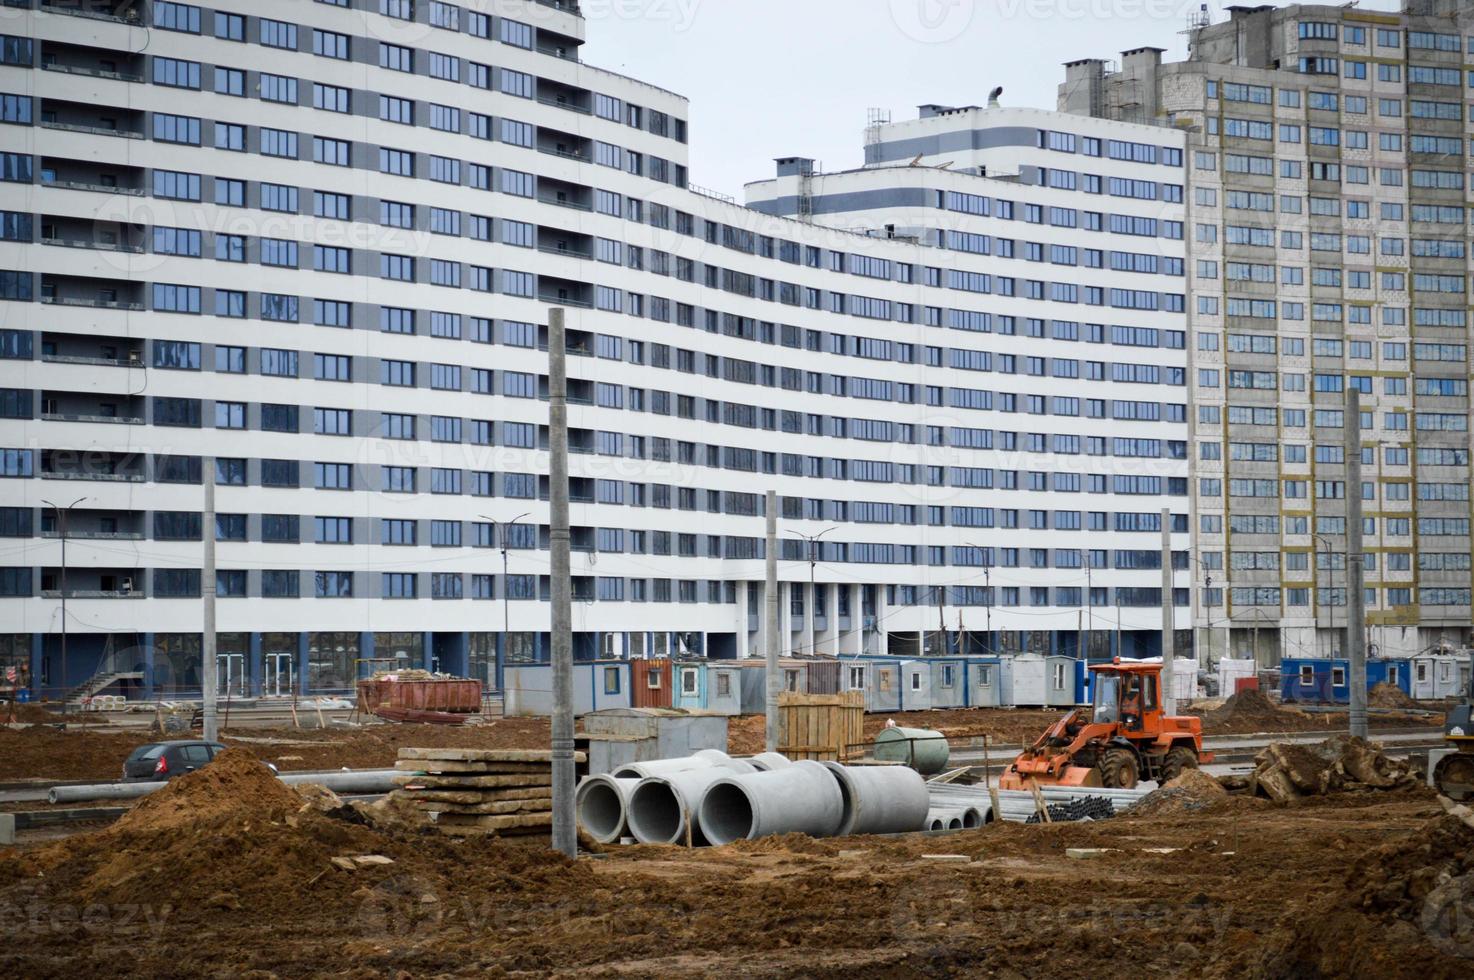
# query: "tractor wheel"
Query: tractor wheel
1179,759
1454,776
1119,769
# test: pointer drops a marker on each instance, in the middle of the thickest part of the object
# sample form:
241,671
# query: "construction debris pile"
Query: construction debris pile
471,792
1190,792
1250,712
1392,697
1287,771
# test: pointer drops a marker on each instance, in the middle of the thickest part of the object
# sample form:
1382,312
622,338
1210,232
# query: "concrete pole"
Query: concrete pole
565,832
770,599
210,666
1356,618
1169,623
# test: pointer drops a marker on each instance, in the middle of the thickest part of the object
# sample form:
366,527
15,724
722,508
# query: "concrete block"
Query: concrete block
1088,853
7,828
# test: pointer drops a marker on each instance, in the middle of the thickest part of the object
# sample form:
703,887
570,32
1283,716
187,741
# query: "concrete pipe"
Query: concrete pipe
659,807
802,798
768,761
365,781
722,760
601,802
661,767
880,799
948,819
973,818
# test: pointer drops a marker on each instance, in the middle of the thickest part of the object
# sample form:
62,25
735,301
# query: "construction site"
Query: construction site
1293,851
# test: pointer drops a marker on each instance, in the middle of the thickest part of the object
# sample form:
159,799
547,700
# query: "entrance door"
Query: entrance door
230,675
280,673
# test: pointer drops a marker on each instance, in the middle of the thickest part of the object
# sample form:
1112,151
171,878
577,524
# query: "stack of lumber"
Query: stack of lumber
470,792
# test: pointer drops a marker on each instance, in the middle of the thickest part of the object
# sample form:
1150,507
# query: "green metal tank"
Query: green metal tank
922,749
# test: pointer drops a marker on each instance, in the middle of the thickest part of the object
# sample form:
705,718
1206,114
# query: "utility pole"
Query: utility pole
62,513
565,832
1169,622
210,665
1356,610
774,682
988,616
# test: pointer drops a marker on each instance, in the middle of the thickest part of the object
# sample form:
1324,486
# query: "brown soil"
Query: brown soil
27,714
211,877
44,753
1386,695
1193,790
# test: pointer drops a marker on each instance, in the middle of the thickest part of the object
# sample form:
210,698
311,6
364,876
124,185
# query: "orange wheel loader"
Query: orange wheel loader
1123,739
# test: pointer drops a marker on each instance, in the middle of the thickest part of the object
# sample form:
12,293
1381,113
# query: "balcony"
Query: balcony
93,120
106,467
105,294
92,583
63,348
88,175
92,62
119,11
96,524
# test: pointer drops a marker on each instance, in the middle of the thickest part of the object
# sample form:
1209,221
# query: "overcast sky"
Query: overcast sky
770,78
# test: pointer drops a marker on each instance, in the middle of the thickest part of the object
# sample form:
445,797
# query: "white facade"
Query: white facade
177,289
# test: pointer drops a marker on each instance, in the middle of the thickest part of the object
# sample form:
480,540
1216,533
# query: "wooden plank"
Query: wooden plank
473,796
488,781
472,784
483,809
468,769
506,822
458,831
542,756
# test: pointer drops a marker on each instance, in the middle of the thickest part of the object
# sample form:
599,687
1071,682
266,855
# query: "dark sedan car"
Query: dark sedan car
165,760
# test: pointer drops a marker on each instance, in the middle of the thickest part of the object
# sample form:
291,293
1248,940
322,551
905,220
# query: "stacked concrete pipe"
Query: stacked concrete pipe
944,820
705,759
601,802
802,798
880,799
660,807
766,761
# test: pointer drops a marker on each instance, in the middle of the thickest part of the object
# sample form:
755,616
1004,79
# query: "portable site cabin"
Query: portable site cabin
1436,676
1315,679
707,686
597,685
948,682
822,676
883,685
916,685
1065,681
1027,685
650,683
1396,671
984,682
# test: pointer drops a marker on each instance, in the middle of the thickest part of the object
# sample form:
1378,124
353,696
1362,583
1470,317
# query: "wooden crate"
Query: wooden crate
822,727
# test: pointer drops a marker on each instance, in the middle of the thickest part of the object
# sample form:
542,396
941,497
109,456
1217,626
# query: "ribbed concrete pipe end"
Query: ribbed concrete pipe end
972,818
955,823
654,814
949,818
600,802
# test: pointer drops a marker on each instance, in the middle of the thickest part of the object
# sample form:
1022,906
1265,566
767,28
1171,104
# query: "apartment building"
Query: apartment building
306,251
1329,241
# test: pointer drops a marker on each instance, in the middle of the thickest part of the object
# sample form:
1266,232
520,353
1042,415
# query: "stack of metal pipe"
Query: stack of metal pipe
1017,806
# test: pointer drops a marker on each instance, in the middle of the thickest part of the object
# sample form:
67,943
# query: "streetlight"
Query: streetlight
987,596
503,527
61,525
813,542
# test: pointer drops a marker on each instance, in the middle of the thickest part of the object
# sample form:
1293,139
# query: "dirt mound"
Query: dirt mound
1249,712
29,714
1291,771
1391,696
1192,791
1402,912
786,844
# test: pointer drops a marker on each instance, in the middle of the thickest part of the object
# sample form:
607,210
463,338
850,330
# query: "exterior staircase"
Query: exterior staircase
98,683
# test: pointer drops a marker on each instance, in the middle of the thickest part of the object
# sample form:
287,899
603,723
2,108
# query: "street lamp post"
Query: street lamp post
62,513
1331,574
502,527
811,613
